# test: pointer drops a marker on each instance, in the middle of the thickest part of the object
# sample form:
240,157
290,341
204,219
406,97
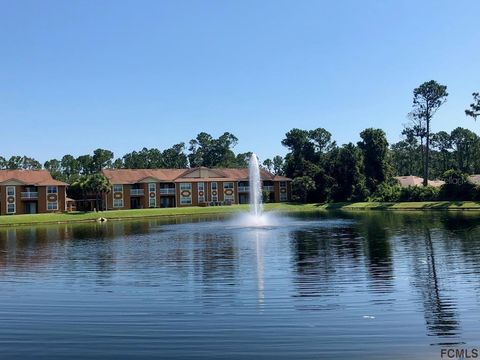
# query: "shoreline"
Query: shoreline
119,215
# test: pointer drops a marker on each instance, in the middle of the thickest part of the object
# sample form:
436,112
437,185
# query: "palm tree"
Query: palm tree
98,184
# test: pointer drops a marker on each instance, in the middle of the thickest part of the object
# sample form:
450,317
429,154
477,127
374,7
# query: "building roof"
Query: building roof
29,177
133,176
411,180
474,179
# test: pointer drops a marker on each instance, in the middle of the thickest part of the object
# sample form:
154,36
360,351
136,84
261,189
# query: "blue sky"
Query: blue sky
121,75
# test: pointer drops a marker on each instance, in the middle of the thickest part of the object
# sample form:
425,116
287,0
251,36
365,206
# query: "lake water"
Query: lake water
374,285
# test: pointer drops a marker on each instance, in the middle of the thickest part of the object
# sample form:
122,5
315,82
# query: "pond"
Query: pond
368,285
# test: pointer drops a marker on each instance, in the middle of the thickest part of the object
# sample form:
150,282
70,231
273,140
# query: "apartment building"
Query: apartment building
30,192
151,188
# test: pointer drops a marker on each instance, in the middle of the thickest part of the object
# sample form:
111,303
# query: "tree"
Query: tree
54,166
98,184
242,159
278,164
427,99
374,146
117,164
268,164
70,168
101,159
442,142
210,152
29,163
474,110
14,163
302,153
3,163
405,157
85,164
465,144
346,170
417,131
301,186
322,140
174,157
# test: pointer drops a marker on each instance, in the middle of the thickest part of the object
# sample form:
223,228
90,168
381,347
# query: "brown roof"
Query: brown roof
474,179
132,176
411,180
29,177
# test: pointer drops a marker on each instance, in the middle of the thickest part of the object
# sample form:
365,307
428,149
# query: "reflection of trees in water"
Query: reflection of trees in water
324,259
379,254
24,248
214,259
327,261
439,310
463,233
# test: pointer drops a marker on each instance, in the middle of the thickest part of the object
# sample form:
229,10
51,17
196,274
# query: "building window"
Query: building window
11,190
186,200
117,188
214,188
152,202
152,187
10,208
185,193
283,184
117,203
185,186
283,196
52,205
201,192
52,190
228,195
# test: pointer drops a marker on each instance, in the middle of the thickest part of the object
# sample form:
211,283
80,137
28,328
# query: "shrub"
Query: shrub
386,193
419,193
457,187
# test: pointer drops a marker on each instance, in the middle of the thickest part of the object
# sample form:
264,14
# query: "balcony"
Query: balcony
167,191
29,195
268,188
137,192
243,188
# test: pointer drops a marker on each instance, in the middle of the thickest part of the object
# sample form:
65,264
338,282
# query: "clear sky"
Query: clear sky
121,75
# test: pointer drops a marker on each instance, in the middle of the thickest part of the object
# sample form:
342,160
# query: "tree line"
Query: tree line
321,169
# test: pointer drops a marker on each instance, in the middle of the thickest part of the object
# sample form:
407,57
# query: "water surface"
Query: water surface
376,285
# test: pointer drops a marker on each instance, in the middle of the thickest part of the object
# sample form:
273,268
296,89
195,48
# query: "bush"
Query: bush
419,193
386,193
457,187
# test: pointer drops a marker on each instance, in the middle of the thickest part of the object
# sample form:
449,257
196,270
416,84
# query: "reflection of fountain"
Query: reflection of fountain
260,271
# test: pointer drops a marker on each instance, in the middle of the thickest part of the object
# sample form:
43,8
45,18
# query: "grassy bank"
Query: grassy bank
173,212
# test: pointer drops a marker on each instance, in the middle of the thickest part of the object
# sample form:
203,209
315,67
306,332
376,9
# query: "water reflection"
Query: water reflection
440,311
379,254
315,278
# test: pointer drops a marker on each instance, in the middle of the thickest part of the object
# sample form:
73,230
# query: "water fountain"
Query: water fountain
255,217
255,182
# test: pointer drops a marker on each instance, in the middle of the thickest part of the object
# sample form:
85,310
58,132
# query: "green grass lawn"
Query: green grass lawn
8,220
